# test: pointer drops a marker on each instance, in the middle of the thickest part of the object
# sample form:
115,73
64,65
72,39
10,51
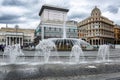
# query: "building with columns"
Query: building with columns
10,36
96,29
117,34
53,19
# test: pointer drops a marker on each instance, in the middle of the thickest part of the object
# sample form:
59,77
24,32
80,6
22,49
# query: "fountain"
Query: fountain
12,52
45,70
103,53
77,54
44,49
45,46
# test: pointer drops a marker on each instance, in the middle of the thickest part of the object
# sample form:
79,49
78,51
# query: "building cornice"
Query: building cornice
52,8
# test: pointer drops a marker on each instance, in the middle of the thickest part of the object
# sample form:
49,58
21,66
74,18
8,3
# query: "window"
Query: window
44,28
59,29
55,29
2,39
49,28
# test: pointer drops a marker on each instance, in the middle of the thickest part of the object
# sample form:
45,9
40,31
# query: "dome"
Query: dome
96,12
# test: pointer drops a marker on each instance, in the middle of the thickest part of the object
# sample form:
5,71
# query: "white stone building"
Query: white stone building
10,36
52,21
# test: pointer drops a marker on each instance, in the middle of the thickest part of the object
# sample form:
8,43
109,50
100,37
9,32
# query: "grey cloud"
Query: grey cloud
13,3
113,9
23,3
32,14
10,22
77,15
60,3
10,19
33,7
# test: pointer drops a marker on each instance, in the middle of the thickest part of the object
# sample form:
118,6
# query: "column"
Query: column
103,41
100,41
22,41
15,40
92,41
95,41
6,41
19,40
10,41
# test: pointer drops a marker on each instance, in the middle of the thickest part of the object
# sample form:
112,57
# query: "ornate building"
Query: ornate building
96,29
117,34
10,36
52,21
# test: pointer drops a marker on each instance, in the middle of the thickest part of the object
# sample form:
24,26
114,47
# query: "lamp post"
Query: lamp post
16,27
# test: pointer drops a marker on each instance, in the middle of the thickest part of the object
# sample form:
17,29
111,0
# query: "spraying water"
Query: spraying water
44,49
77,54
12,52
64,29
103,53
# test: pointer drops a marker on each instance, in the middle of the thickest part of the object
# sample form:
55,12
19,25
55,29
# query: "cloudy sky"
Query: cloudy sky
25,12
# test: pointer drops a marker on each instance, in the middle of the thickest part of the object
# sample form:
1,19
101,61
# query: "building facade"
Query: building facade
117,34
10,36
96,29
53,19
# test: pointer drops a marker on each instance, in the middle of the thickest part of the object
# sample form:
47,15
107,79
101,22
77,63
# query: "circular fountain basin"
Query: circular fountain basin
65,44
57,71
